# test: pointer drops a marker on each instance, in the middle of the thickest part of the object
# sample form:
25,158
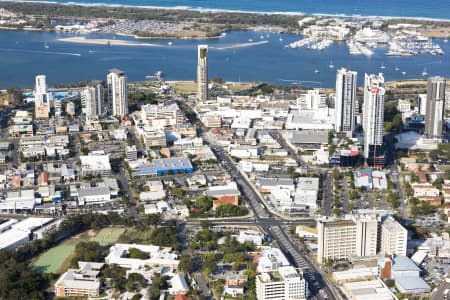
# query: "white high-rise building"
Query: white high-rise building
345,101
92,99
336,239
394,238
284,284
434,114
373,119
117,92
41,95
202,73
366,235
422,103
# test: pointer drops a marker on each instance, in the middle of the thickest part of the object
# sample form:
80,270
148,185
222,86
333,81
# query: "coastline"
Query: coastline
232,11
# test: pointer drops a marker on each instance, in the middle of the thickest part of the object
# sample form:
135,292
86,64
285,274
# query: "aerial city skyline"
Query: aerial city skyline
185,153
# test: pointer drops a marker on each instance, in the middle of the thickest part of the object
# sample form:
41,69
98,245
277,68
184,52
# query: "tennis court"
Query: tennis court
52,260
107,236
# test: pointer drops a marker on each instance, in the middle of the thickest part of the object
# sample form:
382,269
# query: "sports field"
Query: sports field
52,260
107,236
57,259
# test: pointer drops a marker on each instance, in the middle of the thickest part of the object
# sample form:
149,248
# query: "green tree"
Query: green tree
138,254
230,210
186,263
204,202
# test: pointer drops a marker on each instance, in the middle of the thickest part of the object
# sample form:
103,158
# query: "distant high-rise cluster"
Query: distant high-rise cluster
434,108
202,73
345,101
117,92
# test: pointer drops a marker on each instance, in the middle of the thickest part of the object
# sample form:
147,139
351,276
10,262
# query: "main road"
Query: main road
272,225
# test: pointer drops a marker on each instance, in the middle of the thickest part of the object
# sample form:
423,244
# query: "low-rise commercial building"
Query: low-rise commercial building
95,164
283,284
93,195
164,166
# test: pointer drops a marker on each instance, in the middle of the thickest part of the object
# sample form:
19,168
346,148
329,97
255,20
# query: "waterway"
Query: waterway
23,55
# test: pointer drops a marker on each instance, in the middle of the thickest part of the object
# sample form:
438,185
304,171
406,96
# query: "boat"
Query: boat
331,66
396,68
261,37
403,73
446,41
316,71
169,43
250,40
382,66
281,39
300,43
46,46
424,72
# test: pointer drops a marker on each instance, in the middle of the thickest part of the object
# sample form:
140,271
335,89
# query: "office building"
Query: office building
202,73
366,236
92,99
117,92
434,114
283,284
131,153
312,100
344,238
394,238
373,119
41,97
345,101
336,239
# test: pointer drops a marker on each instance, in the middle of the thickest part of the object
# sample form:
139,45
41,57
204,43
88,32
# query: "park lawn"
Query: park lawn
185,87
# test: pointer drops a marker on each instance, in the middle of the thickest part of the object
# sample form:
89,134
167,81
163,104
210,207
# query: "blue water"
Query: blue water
438,9
23,56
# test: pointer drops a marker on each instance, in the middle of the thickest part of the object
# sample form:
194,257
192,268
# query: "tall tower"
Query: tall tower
202,73
42,98
434,114
92,99
117,92
373,119
345,101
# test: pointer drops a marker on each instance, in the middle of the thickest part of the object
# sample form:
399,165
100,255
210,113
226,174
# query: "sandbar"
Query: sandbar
106,42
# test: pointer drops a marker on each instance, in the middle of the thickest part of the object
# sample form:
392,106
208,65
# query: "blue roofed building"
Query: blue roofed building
411,285
405,273
166,166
